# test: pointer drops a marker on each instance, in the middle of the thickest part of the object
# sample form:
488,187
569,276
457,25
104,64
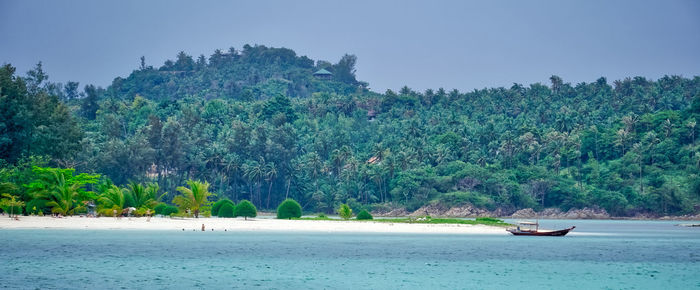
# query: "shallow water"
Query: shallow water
597,255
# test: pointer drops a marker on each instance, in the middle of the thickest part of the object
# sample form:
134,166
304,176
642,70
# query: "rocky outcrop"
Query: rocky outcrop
390,213
555,213
432,210
524,214
469,211
438,210
688,217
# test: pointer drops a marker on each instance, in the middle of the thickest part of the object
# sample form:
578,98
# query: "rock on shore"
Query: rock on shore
464,211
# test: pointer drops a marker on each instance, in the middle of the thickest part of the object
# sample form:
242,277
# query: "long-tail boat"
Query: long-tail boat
525,228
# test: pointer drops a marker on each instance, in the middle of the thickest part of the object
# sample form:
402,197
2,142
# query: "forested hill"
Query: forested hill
256,72
627,146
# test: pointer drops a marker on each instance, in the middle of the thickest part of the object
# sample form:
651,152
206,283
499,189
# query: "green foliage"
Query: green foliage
345,211
257,124
193,198
488,220
217,206
142,198
458,198
245,209
33,122
364,215
60,190
11,205
169,210
226,210
112,201
289,209
158,209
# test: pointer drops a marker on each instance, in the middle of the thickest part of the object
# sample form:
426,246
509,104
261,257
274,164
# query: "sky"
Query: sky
462,45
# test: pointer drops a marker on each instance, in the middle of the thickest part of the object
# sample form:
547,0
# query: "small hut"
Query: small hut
323,74
371,115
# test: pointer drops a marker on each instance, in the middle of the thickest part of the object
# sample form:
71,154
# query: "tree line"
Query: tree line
628,147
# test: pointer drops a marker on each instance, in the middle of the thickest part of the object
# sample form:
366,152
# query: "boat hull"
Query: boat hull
557,233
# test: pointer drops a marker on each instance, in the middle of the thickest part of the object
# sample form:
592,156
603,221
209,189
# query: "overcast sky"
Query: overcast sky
423,44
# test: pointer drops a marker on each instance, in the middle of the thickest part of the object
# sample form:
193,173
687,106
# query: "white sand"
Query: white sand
239,224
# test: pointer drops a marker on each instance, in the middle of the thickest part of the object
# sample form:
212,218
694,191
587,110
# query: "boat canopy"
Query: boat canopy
527,223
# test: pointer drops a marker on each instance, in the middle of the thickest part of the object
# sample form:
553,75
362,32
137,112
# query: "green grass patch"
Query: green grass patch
477,221
422,220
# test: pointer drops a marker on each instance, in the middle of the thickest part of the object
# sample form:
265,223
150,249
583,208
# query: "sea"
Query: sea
598,254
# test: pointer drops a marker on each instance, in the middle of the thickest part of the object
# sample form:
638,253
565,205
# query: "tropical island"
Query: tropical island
198,137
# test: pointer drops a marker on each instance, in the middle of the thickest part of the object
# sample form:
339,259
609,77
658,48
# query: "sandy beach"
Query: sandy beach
239,224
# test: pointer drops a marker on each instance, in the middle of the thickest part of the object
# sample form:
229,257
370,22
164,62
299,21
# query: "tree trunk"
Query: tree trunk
269,191
289,182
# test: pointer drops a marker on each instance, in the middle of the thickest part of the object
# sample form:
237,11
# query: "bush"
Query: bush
245,209
217,206
226,210
364,215
289,209
159,208
169,210
345,211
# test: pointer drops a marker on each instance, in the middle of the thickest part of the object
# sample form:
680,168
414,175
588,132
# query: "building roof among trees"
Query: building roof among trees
322,71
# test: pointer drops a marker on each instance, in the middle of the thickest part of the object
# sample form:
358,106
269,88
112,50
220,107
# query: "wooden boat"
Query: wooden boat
533,229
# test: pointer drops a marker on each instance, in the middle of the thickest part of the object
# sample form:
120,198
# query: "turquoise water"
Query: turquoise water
597,255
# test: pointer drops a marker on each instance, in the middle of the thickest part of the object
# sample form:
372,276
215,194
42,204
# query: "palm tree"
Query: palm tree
63,197
314,164
253,171
60,190
270,172
194,197
231,165
110,200
622,138
143,198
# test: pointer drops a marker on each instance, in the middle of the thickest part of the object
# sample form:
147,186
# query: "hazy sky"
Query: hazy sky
422,44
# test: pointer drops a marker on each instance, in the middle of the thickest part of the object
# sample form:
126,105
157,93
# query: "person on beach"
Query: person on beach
148,215
114,213
202,227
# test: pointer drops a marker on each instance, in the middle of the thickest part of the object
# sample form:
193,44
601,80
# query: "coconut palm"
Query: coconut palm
143,198
63,197
194,197
254,171
111,199
270,172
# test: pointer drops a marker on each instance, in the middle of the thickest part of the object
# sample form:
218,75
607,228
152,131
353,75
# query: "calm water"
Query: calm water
599,254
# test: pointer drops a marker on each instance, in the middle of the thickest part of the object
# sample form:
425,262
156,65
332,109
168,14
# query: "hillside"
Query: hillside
258,125
253,73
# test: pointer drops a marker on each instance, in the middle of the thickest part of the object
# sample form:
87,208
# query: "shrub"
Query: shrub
289,209
159,208
345,211
322,216
226,210
245,209
364,215
169,210
217,206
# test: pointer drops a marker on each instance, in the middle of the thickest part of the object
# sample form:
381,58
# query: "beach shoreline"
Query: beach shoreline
240,224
